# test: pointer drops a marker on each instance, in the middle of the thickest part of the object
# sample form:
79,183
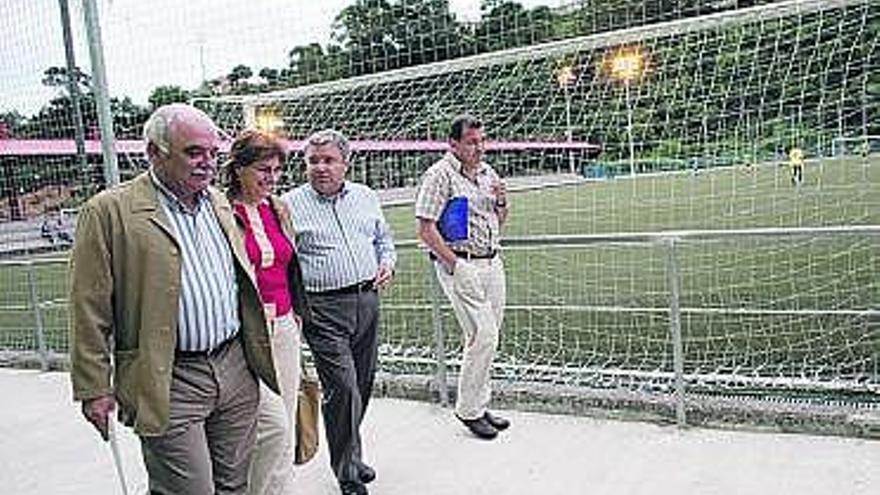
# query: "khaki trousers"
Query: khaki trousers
207,447
477,293
272,468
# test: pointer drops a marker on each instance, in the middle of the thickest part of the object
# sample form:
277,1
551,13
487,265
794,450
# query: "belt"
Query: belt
471,256
363,286
208,353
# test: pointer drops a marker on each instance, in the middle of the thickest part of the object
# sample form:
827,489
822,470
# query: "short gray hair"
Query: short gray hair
157,129
329,136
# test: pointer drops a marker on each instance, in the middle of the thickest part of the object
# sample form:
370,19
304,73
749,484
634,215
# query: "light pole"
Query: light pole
627,65
566,78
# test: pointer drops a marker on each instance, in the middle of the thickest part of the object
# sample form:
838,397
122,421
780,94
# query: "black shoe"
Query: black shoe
353,488
479,427
497,421
365,473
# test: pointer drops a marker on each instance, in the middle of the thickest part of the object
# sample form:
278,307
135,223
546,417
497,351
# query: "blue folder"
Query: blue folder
453,222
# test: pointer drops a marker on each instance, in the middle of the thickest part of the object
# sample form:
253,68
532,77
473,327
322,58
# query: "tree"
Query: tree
128,118
269,75
359,29
55,119
10,124
58,77
239,76
426,31
506,24
163,95
379,35
306,64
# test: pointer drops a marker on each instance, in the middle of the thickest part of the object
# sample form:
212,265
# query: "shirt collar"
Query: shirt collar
238,202
457,165
172,199
343,192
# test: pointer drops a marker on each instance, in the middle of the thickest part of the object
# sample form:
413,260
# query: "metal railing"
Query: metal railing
676,378
669,241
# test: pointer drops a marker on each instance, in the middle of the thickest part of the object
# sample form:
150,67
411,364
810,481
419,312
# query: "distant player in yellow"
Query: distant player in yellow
796,162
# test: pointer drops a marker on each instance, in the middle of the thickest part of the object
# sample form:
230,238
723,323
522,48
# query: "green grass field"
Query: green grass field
604,305
835,192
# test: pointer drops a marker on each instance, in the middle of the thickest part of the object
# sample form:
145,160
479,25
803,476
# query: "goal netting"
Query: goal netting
685,124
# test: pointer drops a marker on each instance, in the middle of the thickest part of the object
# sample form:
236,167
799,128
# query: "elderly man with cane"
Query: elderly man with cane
166,321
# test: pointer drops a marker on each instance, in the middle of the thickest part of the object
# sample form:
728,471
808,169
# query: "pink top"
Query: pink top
269,251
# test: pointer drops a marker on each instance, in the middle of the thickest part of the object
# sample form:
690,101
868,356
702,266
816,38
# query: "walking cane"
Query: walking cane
117,457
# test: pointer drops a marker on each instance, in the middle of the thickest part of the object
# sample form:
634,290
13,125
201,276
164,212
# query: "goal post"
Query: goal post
855,145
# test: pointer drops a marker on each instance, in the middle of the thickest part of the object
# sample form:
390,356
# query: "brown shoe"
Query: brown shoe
479,427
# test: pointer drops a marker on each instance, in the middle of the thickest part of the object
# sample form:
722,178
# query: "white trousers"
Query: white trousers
271,470
477,293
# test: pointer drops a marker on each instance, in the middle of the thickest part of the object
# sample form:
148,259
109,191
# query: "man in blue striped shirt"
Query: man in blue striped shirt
347,254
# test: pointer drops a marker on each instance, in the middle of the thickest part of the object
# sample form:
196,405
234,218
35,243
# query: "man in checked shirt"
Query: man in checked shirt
460,206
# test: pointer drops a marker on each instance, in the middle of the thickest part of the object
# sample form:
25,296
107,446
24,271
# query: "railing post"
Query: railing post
675,329
439,336
38,317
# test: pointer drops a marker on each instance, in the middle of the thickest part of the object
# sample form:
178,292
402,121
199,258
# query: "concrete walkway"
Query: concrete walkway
419,448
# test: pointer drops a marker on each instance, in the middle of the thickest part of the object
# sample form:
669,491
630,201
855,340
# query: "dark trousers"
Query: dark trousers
343,338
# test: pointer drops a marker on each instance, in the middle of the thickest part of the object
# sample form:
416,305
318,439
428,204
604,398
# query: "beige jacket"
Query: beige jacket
124,293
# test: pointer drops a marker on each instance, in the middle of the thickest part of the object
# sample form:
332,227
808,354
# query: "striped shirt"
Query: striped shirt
443,181
341,240
208,304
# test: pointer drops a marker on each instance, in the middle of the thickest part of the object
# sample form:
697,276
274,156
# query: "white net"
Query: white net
697,118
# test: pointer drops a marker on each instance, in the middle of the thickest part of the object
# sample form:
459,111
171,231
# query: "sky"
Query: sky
156,42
